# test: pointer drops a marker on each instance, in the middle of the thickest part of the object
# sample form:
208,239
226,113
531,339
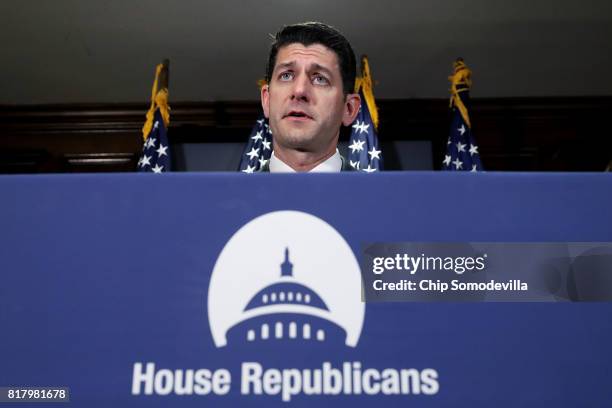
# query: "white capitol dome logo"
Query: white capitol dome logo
286,276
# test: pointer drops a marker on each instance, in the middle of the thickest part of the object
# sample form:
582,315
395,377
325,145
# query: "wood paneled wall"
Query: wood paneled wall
515,134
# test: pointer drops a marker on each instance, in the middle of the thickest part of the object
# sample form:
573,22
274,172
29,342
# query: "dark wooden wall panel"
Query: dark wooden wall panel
518,134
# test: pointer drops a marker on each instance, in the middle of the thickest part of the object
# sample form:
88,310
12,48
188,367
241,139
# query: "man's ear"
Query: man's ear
265,100
351,109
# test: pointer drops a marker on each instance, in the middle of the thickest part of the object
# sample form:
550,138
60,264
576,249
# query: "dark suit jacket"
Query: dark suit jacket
346,166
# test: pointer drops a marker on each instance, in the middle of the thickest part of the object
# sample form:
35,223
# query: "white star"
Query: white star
374,154
262,162
447,160
473,168
145,161
157,168
355,164
150,142
449,142
260,121
460,147
156,124
361,127
369,169
357,146
461,129
162,150
257,136
249,169
253,153
458,164
473,149
266,144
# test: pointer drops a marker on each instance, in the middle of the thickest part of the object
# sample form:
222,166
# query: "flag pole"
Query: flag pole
164,76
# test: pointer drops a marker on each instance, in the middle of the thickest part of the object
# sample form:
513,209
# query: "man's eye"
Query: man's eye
320,80
285,76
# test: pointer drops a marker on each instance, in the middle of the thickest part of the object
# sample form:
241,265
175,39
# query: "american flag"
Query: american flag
259,147
364,153
461,151
155,156
363,144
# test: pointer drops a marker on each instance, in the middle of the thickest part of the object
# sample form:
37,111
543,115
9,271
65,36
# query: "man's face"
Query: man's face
304,99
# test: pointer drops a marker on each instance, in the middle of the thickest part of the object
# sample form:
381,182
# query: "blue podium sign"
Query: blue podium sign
190,290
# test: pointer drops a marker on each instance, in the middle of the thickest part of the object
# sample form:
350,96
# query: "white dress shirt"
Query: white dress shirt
331,165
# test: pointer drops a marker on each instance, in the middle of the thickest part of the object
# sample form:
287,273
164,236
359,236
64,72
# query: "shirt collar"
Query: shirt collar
331,165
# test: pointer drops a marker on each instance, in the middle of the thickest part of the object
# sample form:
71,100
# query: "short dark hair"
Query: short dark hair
317,33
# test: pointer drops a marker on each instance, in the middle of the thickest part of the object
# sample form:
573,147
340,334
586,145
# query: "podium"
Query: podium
232,290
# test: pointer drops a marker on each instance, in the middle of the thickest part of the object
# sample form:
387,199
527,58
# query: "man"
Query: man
308,96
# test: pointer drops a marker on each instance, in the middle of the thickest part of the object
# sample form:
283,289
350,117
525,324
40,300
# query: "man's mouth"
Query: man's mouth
298,115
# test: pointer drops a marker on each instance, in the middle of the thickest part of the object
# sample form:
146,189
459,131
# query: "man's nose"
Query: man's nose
301,88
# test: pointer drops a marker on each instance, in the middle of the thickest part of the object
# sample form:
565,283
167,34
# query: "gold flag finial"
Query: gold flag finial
461,81
159,98
364,82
